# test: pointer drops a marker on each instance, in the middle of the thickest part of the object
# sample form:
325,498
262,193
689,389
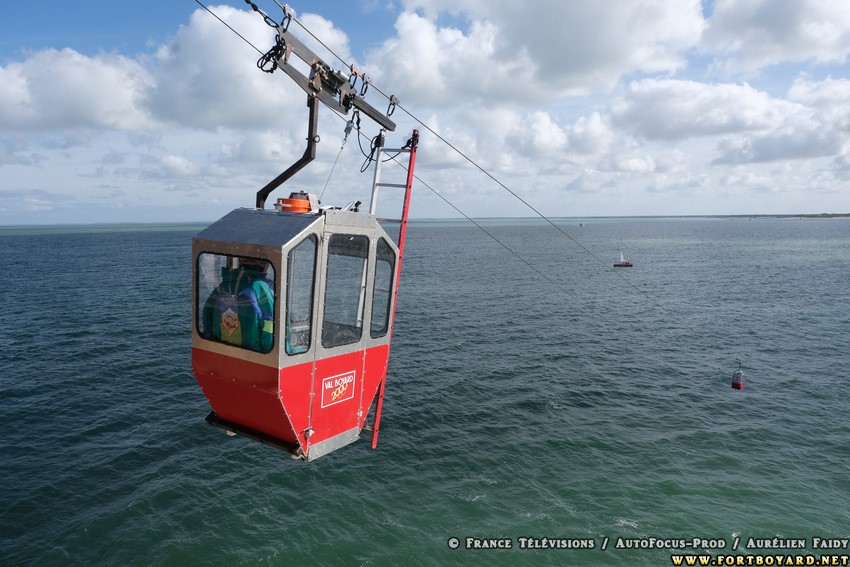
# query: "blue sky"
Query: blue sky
155,111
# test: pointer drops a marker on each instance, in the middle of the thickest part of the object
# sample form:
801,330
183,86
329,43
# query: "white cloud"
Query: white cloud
591,181
533,51
634,164
442,65
15,150
588,44
334,41
798,142
62,89
206,77
841,167
817,93
592,134
830,97
596,108
670,109
754,126
760,33
179,166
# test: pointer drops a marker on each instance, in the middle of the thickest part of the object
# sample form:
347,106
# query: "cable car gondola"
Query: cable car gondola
293,307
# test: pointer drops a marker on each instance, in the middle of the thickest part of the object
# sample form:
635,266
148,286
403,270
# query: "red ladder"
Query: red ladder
410,149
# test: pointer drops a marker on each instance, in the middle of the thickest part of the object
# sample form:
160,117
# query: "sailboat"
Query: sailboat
623,263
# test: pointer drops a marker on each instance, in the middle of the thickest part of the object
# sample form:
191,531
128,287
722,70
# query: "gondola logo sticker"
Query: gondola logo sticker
339,388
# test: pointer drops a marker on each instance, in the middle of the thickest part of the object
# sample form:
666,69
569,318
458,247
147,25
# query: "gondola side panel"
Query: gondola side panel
242,392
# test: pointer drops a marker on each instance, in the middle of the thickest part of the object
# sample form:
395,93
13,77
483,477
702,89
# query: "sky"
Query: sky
156,112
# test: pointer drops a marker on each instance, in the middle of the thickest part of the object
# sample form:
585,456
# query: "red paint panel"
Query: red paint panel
279,401
345,384
335,418
251,374
295,388
242,392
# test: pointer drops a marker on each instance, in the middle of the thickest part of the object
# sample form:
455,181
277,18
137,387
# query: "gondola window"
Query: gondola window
300,277
345,290
236,301
382,295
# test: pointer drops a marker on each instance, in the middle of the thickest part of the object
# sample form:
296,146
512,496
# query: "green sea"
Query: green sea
542,407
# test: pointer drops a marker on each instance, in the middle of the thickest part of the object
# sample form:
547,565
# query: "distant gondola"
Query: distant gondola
738,378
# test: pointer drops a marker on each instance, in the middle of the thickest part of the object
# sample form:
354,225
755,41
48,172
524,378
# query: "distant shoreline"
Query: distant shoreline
811,216
745,216
190,225
788,216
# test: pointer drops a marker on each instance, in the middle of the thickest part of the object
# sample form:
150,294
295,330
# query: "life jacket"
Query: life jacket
240,311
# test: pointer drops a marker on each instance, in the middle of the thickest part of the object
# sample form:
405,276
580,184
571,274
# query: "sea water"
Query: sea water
538,400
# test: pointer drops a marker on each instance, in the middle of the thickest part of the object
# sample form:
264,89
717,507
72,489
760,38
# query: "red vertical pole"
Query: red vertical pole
402,229
402,232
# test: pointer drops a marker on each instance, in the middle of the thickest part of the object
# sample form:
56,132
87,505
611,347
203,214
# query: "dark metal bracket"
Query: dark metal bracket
309,154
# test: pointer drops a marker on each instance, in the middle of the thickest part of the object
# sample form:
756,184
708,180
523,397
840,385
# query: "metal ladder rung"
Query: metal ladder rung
378,184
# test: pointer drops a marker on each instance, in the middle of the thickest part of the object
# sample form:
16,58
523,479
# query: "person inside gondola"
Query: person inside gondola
240,311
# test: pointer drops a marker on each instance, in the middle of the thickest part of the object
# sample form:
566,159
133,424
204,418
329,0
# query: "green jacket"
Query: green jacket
240,311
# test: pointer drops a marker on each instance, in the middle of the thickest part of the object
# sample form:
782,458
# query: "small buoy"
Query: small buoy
738,379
